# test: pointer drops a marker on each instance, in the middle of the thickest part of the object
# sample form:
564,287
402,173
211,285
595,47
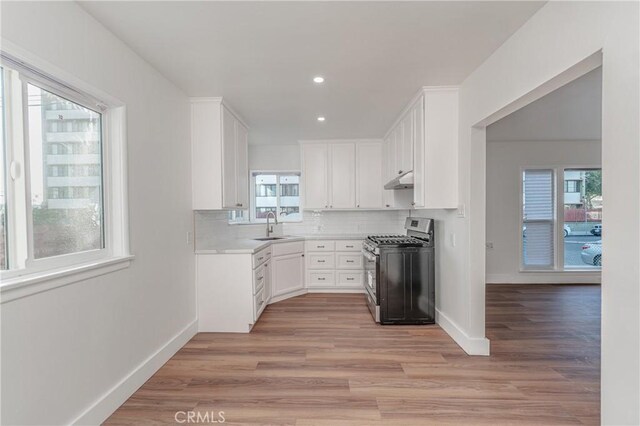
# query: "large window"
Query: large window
51,173
575,228
582,215
3,187
66,188
278,193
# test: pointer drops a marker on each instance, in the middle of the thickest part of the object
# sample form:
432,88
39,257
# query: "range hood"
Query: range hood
403,181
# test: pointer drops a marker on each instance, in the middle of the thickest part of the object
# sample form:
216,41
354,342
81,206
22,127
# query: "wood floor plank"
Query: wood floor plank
319,359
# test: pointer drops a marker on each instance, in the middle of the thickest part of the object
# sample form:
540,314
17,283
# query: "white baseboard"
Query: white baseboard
568,277
101,409
336,290
289,295
471,345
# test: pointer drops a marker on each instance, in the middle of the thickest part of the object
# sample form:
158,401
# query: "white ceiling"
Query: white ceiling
262,56
572,112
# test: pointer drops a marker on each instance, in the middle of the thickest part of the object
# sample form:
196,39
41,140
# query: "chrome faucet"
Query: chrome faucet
270,228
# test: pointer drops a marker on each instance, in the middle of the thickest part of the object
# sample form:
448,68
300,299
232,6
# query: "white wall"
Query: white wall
274,157
505,161
64,349
556,38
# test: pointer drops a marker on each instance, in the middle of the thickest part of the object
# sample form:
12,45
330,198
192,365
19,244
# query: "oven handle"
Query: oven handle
369,256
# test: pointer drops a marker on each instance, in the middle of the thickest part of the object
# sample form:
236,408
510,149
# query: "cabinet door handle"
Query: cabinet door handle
238,204
358,206
399,172
388,205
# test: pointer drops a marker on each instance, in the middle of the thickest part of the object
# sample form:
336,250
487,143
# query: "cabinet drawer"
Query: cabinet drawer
282,249
348,245
350,278
259,278
349,260
321,279
262,256
320,261
258,305
320,245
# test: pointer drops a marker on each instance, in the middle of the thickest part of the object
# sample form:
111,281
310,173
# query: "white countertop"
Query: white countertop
249,246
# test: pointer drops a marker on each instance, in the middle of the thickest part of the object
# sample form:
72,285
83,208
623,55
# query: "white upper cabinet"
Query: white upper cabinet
315,189
219,154
369,175
436,184
425,140
242,164
406,147
342,172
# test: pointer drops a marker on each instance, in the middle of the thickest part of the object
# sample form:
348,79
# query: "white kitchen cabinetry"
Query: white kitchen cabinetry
219,154
342,175
333,265
315,174
342,160
369,175
424,140
287,263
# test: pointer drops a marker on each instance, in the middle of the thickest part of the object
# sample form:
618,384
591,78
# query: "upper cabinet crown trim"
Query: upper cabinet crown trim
414,99
223,102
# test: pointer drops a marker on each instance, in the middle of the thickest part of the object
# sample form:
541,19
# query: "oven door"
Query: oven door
370,269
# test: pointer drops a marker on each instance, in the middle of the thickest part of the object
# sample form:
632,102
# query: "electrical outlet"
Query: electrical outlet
489,245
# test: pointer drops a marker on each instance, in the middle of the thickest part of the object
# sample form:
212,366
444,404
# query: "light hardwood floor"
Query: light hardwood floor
320,360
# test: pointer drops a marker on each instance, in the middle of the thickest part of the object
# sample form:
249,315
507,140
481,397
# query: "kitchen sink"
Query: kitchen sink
269,238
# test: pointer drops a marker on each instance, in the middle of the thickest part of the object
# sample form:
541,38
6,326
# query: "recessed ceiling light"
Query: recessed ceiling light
318,79
321,118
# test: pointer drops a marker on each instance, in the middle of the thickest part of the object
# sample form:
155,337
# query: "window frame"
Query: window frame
252,193
113,180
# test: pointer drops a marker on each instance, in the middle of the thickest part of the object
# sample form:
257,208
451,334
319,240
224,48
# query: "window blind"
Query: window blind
538,219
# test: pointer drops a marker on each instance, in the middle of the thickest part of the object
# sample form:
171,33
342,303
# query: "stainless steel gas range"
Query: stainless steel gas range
400,274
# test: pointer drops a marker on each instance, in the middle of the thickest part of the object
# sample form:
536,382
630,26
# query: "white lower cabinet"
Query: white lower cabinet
234,289
334,265
287,274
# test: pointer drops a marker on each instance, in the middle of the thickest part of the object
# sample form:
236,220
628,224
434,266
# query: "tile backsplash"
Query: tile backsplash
214,224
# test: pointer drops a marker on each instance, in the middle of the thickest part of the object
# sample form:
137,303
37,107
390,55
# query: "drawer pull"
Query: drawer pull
349,246
320,246
350,261
320,261
321,279
260,258
350,279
